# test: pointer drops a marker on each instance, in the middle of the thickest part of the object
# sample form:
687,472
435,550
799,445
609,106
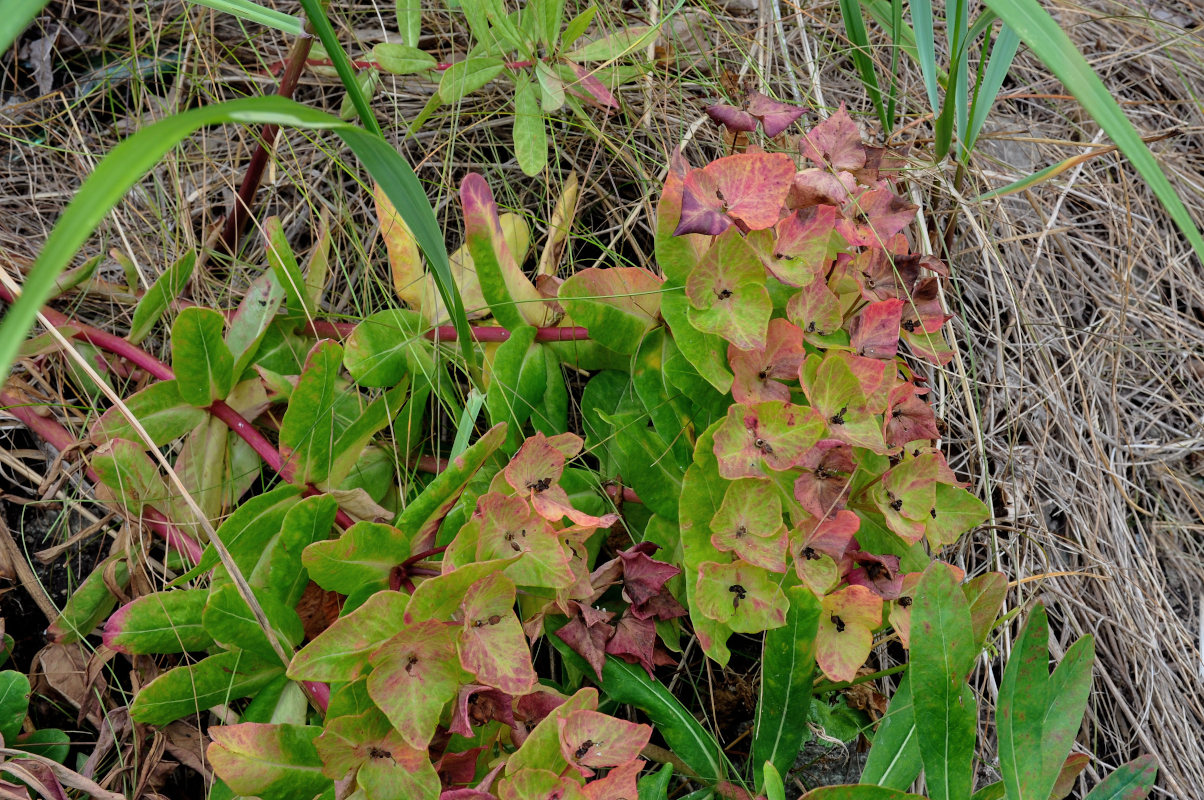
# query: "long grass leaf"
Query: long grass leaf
1050,43
342,65
134,157
998,64
854,27
253,12
14,20
921,21
960,57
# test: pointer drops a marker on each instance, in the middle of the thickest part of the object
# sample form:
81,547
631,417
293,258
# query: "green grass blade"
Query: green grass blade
998,64
960,69
14,20
854,27
133,158
253,12
921,21
321,25
896,33
1050,43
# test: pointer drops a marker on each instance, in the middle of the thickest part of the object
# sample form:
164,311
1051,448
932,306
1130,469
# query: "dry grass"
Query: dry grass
1077,398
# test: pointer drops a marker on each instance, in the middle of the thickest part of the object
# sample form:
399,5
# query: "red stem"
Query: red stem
220,409
447,333
440,66
240,212
62,440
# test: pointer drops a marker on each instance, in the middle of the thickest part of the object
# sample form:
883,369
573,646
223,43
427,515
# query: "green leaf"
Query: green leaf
13,23
131,159
654,785
512,297
859,792
363,557
771,780
530,134
672,413
212,681
467,76
161,411
423,515
788,665
247,532
386,346
229,620
491,644
702,492
518,383
438,598
646,461
307,432
287,271
159,296
413,677
14,704
126,469
400,59
200,358
727,293
307,522
160,622
1050,43
249,325
577,26
340,653
707,352
543,18
685,736
91,602
551,88
617,304
942,654
1024,700
52,743
894,760
254,12
1131,781
957,511
614,45
268,761
1069,686
409,21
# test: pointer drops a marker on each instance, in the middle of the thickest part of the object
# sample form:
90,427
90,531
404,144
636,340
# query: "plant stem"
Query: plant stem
240,211
447,333
62,440
441,66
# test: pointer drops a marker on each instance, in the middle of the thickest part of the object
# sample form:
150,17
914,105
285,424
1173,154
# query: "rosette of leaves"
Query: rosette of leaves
532,47
790,285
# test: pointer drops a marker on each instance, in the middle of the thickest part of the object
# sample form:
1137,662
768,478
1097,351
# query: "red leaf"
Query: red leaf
634,641
701,209
909,417
478,705
619,783
759,372
814,187
884,276
733,118
873,218
923,311
835,143
874,333
823,487
587,641
806,246
596,92
775,115
879,574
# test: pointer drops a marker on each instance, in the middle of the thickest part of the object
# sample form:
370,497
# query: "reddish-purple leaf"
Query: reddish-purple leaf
733,118
479,705
764,436
909,417
823,487
644,578
879,574
635,641
874,217
874,333
701,209
458,768
592,739
835,143
759,372
923,311
845,635
900,608
752,186
492,645
588,641
815,186
884,276
818,545
775,115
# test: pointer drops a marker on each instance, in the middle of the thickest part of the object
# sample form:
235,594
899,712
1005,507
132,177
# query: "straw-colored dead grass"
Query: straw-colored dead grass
1077,397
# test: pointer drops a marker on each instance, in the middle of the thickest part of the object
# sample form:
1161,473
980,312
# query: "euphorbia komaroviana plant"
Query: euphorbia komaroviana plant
800,270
